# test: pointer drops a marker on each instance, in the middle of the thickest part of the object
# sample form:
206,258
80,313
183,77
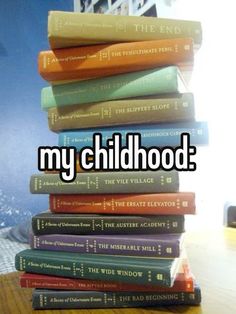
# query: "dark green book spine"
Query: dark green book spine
107,183
50,299
71,265
92,224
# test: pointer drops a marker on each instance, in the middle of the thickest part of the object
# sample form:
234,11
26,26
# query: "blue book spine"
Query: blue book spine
51,299
151,135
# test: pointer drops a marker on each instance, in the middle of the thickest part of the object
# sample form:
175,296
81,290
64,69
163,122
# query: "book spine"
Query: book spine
73,29
181,203
78,166
107,225
51,282
49,299
157,135
60,283
105,60
93,269
122,112
107,183
106,245
142,83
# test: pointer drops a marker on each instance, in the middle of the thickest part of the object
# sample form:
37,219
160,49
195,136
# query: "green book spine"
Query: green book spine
107,183
48,223
140,270
142,83
68,29
123,112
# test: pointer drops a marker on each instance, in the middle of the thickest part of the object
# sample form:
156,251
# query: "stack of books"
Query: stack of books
114,238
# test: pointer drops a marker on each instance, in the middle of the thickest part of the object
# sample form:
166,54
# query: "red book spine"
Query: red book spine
180,203
184,282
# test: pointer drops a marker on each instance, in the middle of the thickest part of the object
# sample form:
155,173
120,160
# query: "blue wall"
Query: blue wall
23,126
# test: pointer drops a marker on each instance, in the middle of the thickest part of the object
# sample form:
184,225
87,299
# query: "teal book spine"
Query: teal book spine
139,270
142,83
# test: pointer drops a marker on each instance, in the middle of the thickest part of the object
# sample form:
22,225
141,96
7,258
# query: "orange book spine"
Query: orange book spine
103,60
132,204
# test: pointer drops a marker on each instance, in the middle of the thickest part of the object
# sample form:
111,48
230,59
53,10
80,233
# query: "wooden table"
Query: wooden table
212,256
